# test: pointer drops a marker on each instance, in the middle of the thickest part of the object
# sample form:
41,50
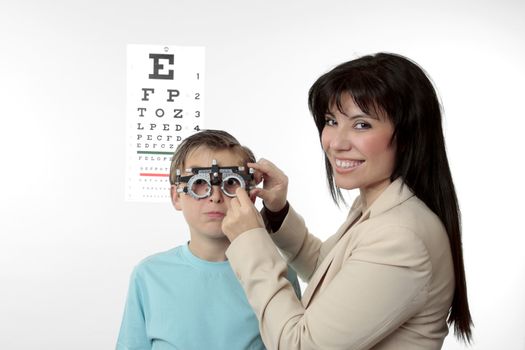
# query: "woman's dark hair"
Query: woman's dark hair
393,85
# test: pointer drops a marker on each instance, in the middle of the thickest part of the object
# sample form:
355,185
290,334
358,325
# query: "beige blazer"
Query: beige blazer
385,282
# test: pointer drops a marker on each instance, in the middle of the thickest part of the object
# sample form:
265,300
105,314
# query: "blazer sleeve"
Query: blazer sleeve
381,285
301,249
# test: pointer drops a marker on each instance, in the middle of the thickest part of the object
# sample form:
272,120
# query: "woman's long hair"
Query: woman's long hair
394,85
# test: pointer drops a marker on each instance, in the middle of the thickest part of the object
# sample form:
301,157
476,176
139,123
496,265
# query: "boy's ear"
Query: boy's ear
175,199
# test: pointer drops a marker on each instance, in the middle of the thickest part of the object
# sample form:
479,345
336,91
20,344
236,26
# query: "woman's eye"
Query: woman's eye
361,125
330,122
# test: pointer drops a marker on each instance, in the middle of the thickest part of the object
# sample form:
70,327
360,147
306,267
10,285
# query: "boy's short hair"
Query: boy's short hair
213,139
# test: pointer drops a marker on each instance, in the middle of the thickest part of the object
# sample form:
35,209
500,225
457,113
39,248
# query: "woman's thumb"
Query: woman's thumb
263,194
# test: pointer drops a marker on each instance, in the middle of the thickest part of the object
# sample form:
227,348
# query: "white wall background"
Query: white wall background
68,241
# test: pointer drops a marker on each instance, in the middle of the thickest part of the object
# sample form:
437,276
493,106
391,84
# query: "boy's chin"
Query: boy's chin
216,235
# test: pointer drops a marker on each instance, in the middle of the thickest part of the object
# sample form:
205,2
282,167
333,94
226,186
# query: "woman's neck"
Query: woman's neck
370,193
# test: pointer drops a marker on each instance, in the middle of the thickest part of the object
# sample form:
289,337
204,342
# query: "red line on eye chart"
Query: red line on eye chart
153,174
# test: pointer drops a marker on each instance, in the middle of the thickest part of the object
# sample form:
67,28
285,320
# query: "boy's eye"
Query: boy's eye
200,187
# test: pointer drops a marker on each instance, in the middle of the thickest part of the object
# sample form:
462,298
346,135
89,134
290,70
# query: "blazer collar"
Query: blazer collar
396,193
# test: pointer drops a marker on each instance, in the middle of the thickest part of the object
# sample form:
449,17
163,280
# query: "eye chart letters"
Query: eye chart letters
165,104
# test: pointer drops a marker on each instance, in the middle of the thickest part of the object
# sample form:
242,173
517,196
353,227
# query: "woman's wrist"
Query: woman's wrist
275,207
274,219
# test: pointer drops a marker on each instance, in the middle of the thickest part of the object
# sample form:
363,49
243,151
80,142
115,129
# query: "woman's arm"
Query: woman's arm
300,248
381,285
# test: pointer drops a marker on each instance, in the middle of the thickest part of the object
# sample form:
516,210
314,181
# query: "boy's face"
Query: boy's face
204,216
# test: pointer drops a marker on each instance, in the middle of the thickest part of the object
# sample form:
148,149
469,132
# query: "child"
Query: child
188,297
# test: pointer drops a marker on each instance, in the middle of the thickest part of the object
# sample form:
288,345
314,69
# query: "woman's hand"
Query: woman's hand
275,184
241,216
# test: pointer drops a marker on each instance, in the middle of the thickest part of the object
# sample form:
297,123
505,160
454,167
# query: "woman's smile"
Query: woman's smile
346,165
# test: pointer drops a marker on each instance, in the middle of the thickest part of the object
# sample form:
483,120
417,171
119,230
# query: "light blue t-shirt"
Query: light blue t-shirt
178,301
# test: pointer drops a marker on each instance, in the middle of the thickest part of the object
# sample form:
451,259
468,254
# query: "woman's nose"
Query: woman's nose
340,139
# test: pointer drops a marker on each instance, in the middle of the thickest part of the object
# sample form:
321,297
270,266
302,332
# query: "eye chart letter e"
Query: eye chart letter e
165,104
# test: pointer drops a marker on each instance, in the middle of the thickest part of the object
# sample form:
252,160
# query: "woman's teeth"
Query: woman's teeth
347,164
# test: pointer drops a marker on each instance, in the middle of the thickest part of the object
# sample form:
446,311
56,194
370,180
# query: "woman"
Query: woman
392,275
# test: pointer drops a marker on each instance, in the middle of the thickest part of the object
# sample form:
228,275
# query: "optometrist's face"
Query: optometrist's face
204,216
359,149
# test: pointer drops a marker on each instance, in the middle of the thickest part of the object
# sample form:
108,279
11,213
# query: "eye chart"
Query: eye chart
165,104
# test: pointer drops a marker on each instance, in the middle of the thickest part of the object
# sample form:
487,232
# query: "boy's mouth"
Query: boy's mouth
215,214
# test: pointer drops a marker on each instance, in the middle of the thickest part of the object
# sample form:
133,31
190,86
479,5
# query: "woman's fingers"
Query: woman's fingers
265,195
241,216
268,172
248,210
242,198
265,166
258,177
275,184
254,193
234,204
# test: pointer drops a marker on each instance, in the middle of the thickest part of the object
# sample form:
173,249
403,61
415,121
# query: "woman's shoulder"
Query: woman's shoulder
399,207
410,225
415,213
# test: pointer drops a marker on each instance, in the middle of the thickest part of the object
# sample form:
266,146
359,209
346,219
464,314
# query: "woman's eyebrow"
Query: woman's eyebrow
362,115
355,116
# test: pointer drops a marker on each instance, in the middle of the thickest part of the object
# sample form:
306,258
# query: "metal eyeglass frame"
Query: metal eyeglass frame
214,176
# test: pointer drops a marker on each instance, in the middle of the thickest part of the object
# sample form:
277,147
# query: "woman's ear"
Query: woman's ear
175,198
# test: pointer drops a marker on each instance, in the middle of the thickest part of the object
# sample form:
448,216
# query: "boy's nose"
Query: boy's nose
216,194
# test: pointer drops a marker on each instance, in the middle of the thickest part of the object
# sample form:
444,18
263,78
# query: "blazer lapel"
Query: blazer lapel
325,264
396,193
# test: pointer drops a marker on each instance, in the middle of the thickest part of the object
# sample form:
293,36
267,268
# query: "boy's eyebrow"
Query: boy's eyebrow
209,166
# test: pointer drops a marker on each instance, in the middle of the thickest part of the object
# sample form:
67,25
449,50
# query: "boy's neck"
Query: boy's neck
209,249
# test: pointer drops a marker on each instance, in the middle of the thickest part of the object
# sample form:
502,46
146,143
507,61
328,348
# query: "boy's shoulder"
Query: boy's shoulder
165,258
